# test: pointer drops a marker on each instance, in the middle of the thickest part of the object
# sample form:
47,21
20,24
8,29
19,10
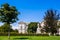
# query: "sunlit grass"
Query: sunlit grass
30,37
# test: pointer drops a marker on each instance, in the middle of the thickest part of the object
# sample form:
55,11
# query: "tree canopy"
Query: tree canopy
8,13
32,27
51,18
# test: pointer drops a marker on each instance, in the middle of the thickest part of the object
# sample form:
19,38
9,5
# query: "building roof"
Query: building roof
21,22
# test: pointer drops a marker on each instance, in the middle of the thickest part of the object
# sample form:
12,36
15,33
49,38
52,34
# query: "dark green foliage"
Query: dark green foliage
17,34
15,31
8,13
5,27
51,18
32,27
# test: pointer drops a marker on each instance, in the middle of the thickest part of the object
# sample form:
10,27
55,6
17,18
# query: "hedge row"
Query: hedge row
17,34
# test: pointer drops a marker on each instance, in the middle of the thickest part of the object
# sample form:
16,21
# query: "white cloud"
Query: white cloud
14,26
1,24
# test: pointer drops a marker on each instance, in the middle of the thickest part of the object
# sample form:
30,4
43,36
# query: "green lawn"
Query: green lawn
30,37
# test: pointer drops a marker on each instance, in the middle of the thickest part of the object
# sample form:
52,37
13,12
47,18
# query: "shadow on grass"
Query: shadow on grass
21,38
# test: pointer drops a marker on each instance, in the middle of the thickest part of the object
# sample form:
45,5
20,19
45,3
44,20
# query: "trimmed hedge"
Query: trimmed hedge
17,34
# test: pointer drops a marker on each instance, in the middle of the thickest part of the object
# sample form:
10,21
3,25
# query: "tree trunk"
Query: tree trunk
9,32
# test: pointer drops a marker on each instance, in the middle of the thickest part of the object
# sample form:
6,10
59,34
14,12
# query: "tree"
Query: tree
32,27
51,18
16,30
8,14
5,27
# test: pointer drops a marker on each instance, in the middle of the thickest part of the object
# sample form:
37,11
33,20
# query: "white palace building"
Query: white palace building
23,26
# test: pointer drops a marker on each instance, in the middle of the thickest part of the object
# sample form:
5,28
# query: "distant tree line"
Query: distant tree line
5,27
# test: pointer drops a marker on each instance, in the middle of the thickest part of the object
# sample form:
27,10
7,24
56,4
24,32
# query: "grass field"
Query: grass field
30,37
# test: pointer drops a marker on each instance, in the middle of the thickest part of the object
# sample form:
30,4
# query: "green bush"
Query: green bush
17,34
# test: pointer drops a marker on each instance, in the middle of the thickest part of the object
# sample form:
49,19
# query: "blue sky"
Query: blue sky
32,10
